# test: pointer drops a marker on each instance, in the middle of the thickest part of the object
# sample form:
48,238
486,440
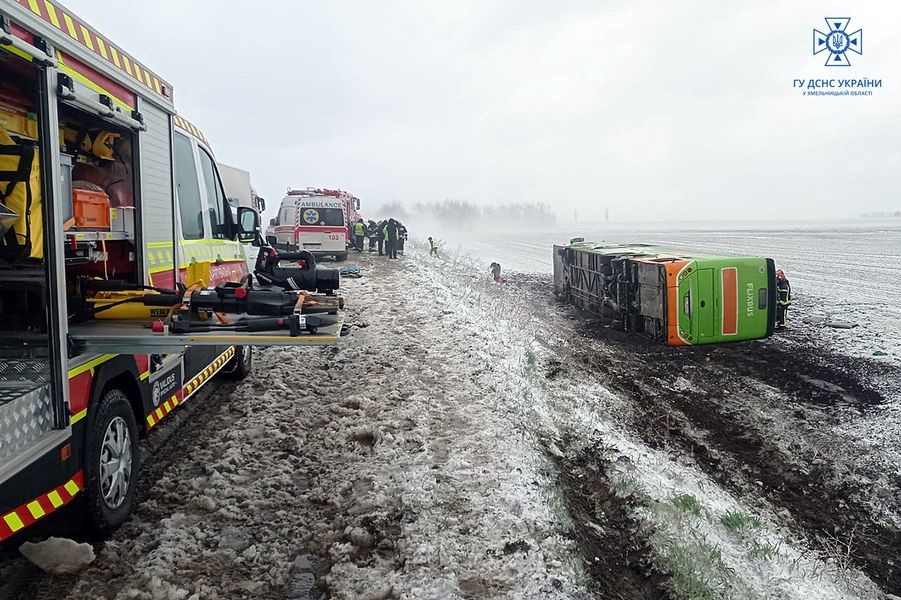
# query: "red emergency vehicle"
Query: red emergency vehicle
100,183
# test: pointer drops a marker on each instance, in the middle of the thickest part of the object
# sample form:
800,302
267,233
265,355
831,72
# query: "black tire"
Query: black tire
107,510
241,363
341,257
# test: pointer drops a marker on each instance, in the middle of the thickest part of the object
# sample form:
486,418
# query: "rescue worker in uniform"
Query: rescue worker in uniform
359,234
496,273
391,238
372,232
433,245
401,237
380,236
784,299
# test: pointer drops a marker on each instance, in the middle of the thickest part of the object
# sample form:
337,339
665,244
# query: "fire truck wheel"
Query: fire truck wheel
341,257
240,365
112,462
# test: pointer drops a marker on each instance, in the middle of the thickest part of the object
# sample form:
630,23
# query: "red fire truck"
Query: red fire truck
103,188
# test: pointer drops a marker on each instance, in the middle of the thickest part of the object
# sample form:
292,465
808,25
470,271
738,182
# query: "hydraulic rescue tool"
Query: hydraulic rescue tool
288,299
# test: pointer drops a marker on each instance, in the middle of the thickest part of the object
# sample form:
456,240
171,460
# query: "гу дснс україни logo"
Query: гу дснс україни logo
838,41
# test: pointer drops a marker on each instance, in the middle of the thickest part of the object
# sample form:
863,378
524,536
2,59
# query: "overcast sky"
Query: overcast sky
657,110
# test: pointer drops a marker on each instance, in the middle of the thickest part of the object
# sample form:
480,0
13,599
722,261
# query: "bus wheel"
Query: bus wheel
341,257
241,364
112,462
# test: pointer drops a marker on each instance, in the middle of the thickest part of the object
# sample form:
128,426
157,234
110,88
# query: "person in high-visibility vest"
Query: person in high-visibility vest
433,244
359,234
784,299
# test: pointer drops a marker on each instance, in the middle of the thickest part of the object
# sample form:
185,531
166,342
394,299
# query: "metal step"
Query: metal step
26,415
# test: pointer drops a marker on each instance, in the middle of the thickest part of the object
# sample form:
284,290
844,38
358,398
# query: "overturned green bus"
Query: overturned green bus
676,298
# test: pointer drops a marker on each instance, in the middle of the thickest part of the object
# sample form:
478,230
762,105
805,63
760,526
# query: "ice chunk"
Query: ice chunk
59,556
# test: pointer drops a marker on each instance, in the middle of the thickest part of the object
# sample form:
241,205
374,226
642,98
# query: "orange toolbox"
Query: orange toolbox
90,209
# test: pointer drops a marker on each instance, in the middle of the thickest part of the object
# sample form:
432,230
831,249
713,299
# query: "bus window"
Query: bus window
215,197
189,205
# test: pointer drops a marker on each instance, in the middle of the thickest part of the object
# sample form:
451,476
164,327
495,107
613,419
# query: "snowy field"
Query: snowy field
844,271
475,441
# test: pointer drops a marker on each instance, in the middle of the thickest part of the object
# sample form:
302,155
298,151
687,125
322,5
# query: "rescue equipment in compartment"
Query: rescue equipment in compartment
191,309
194,306
20,191
300,272
7,218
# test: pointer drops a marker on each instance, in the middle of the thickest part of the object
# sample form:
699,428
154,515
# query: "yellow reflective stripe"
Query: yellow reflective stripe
13,521
115,55
78,416
102,47
127,64
71,487
54,498
51,12
74,371
34,507
70,27
87,37
82,79
34,6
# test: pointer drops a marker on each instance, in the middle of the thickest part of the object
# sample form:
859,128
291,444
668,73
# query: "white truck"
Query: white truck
240,193
238,189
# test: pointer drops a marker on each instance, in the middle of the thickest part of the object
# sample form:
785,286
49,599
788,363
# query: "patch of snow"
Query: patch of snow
59,556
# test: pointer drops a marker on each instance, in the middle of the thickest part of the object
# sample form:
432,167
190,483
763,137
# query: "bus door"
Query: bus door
705,305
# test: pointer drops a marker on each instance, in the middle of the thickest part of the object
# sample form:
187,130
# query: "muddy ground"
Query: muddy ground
469,440
756,416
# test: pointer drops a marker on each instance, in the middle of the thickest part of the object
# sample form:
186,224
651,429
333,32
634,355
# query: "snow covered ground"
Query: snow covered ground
470,440
839,271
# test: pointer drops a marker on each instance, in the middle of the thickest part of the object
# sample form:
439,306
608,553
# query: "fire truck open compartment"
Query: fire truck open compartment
28,414
122,272
99,197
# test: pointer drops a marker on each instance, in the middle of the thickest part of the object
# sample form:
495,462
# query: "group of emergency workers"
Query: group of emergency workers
388,236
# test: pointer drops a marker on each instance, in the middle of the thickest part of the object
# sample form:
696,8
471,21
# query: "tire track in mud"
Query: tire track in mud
740,457
613,544
159,449
699,421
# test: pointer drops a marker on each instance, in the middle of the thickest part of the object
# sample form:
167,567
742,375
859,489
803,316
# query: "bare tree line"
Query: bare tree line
461,213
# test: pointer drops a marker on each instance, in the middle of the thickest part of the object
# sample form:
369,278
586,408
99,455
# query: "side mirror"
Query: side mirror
248,224
273,222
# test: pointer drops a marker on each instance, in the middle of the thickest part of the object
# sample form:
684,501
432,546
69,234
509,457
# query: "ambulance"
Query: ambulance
104,187
316,220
